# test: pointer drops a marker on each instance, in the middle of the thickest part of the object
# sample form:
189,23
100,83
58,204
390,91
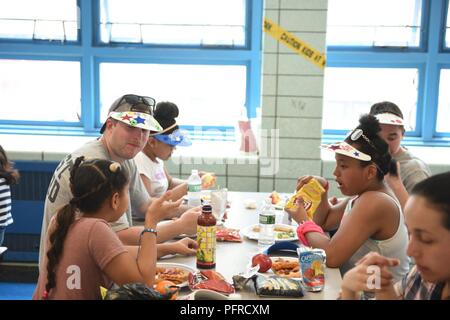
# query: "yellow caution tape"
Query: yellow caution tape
291,41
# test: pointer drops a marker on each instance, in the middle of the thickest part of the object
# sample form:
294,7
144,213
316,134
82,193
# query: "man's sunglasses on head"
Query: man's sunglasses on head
137,103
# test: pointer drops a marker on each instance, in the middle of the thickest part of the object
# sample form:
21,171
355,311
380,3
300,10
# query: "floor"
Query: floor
16,291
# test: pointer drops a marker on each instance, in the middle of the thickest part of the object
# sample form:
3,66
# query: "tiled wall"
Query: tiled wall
291,103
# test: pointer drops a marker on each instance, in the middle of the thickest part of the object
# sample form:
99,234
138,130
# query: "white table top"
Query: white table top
232,258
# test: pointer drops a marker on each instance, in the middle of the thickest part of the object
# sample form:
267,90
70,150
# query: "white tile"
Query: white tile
300,148
271,4
299,106
242,184
268,167
270,45
268,122
221,182
300,86
294,64
270,63
299,128
272,14
297,20
285,185
292,168
304,4
268,106
328,167
269,85
205,165
243,169
265,185
172,168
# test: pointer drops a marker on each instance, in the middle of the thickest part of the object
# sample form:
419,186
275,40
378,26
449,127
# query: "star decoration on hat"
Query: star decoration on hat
356,154
126,117
335,147
136,119
140,120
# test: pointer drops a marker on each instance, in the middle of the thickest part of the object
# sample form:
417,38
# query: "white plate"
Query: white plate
285,258
177,265
254,235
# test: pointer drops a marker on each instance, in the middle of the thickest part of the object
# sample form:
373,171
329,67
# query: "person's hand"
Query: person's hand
301,181
370,274
161,207
188,220
333,201
298,212
185,247
374,258
394,181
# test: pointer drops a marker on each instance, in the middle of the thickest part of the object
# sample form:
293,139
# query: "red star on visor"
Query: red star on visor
335,147
126,117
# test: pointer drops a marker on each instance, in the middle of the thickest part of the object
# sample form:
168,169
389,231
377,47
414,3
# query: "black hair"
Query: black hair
386,107
7,170
165,114
376,147
435,190
91,183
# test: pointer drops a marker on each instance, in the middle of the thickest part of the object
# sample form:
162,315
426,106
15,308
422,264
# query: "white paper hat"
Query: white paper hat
390,118
347,150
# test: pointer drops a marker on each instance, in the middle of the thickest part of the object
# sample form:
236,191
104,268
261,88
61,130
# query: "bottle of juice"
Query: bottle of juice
206,239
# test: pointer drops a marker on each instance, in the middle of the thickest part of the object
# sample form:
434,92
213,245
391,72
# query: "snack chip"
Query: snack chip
311,194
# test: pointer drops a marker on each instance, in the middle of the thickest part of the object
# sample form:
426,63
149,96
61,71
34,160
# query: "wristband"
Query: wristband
150,230
304,228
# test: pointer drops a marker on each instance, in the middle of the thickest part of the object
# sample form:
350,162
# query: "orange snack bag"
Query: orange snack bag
311,194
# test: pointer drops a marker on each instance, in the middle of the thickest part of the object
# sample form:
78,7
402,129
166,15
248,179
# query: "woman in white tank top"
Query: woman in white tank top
369,219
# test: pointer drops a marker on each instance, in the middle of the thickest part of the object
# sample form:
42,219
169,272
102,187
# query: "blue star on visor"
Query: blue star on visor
140,120
176,138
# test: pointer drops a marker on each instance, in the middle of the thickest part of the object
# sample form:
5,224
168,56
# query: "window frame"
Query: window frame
90,52
428,58
53,42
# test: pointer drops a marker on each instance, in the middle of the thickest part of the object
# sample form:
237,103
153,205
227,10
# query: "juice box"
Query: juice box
312,267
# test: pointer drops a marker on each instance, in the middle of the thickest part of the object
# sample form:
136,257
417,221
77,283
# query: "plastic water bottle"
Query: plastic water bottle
194,189
266,225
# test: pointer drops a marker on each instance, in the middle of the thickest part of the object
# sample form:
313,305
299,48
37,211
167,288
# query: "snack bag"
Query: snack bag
278,286
311,194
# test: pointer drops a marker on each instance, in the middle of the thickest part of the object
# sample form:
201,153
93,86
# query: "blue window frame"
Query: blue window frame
90,53
429,58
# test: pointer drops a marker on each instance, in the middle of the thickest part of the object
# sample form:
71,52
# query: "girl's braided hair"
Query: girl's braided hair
91,183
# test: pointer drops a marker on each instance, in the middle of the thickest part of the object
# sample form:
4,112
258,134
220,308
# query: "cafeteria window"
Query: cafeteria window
32,20
214,76
387,51
174,22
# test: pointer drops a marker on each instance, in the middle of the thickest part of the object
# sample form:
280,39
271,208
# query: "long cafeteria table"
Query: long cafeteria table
233,257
